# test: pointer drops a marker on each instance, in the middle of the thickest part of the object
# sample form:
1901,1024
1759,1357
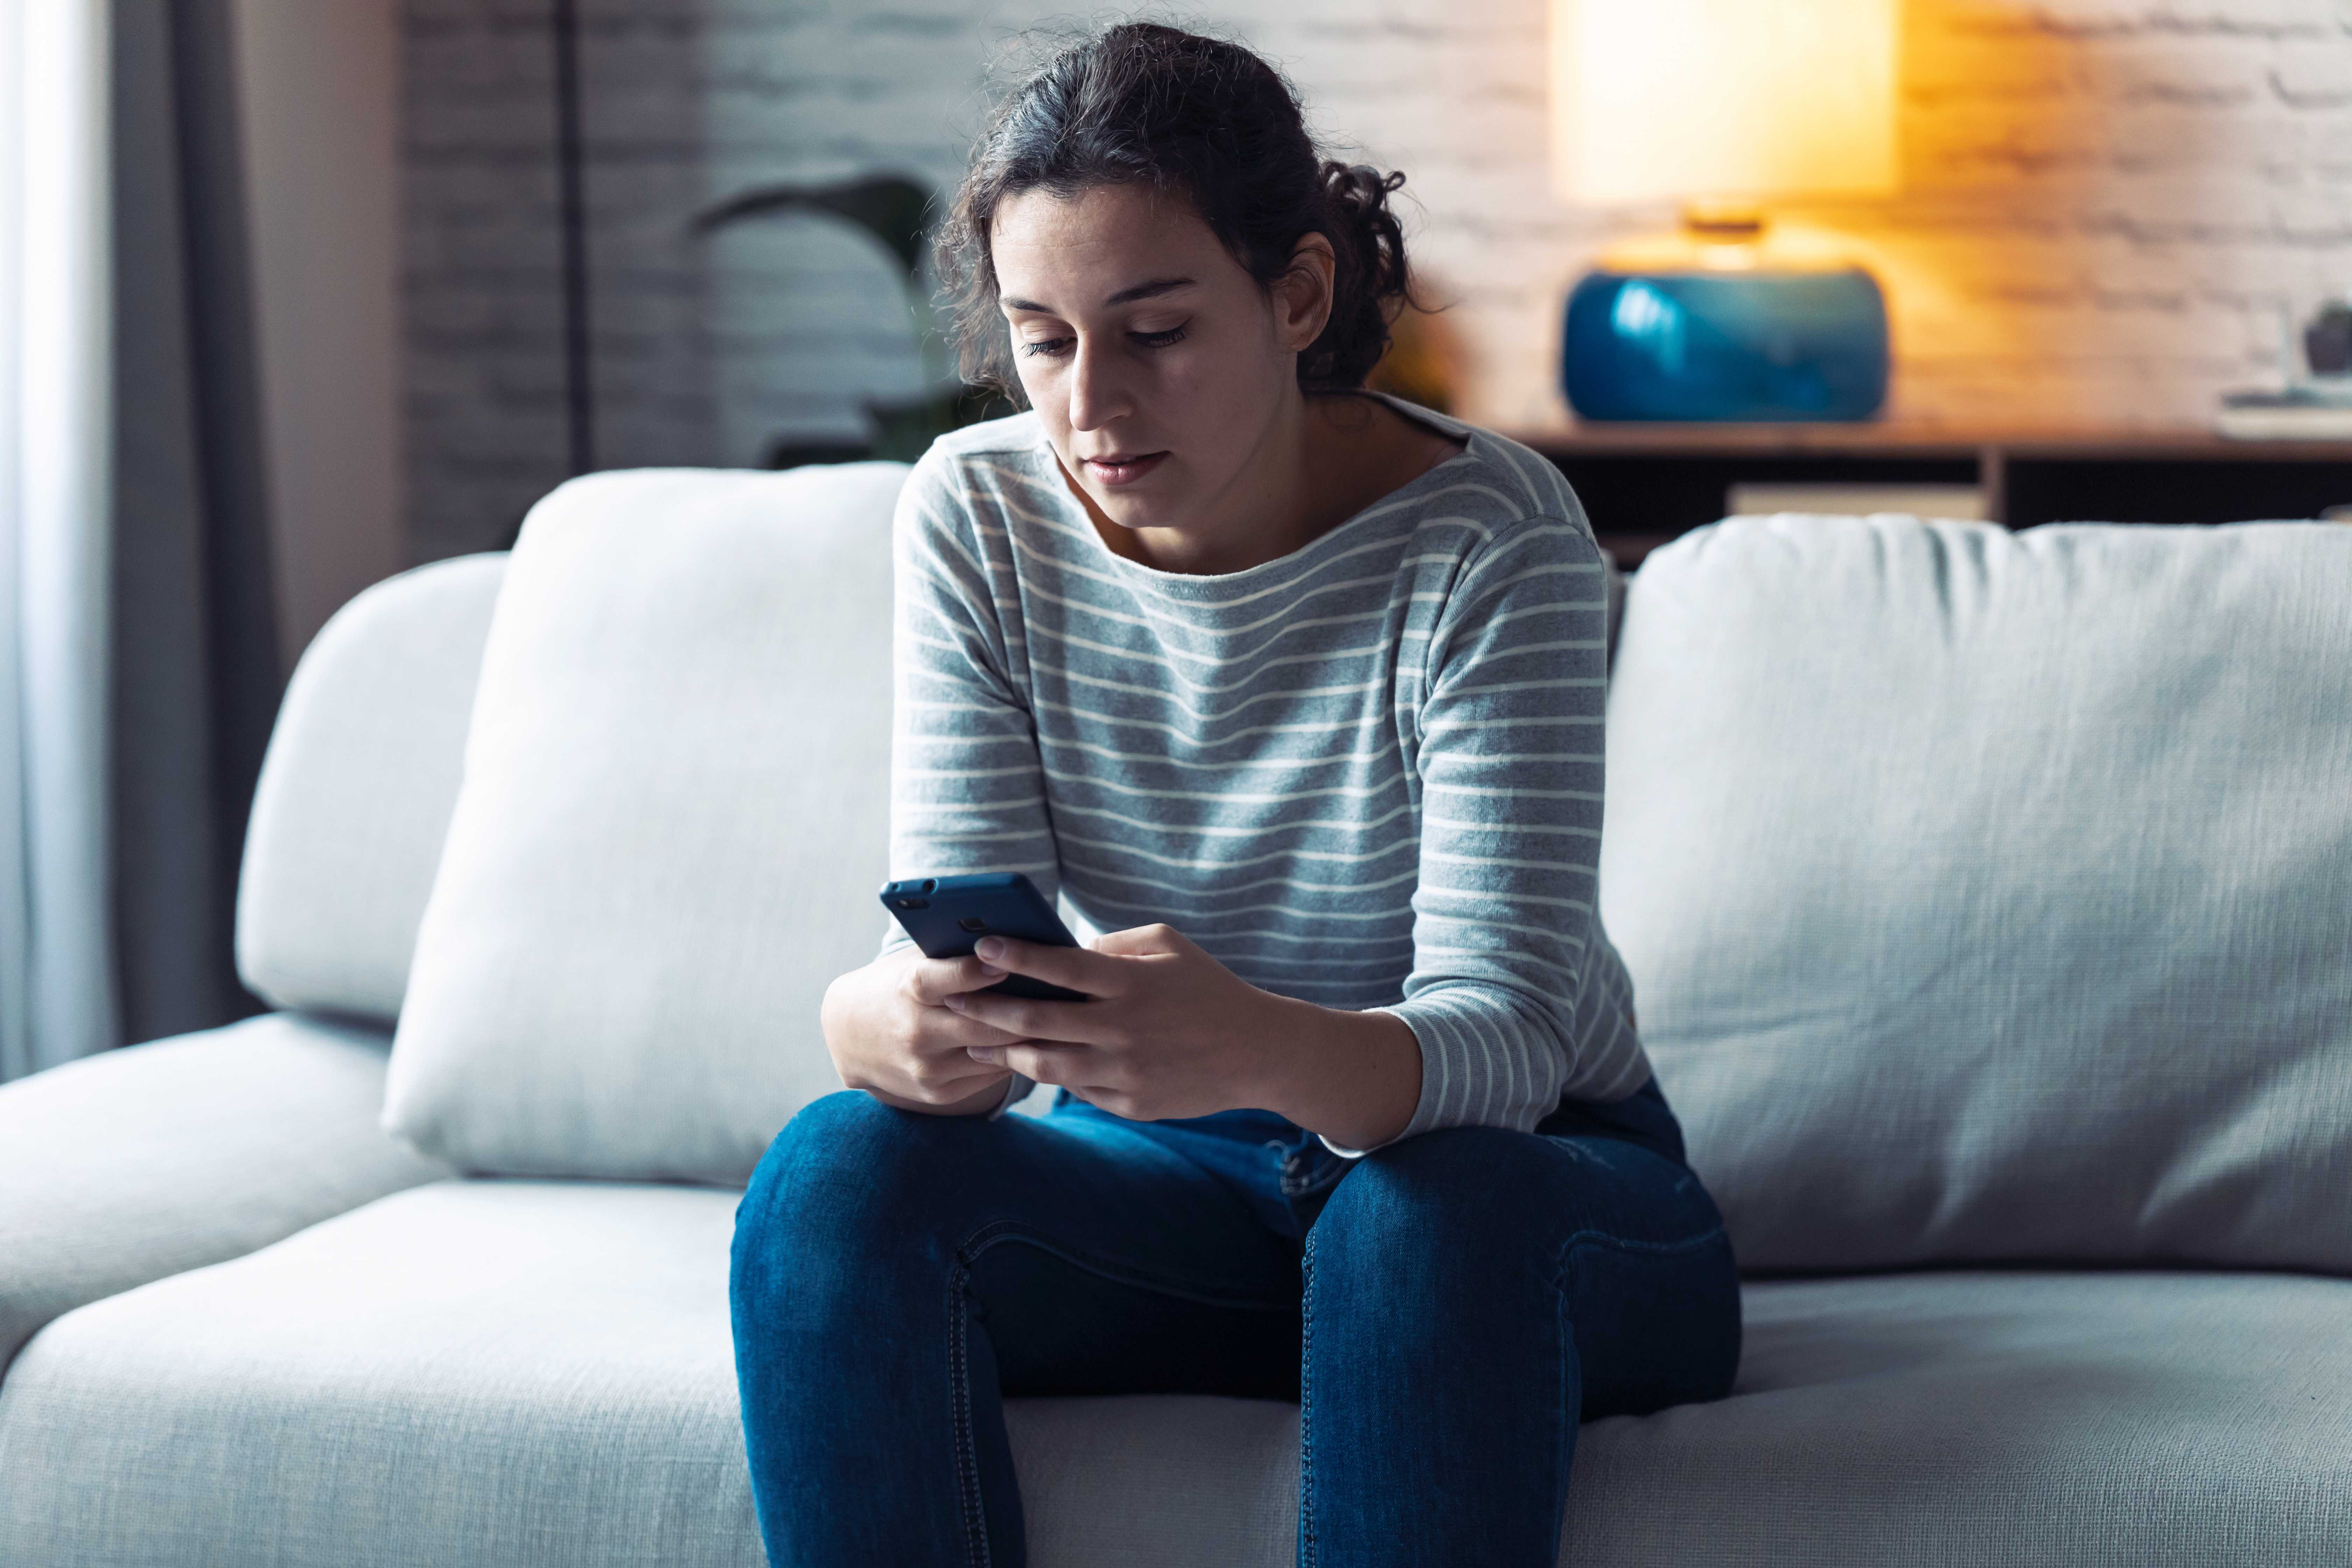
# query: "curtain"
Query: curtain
56,992
193,663
138,671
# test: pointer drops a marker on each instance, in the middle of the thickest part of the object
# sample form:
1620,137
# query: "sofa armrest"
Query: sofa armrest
126,1167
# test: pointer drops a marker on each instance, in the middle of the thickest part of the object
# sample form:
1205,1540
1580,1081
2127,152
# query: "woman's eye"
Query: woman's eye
1056,348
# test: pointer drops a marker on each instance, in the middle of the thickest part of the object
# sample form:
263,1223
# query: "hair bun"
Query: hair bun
1372,284
1362,189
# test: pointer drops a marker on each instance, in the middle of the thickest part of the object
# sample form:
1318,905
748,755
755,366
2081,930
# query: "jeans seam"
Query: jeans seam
1567,1401
1307,1406
975,1514
992,1236
1584,1238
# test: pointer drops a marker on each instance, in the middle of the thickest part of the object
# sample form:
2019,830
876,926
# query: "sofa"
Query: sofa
1989,899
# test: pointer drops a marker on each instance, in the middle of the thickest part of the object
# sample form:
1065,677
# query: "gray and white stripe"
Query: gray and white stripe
1368,774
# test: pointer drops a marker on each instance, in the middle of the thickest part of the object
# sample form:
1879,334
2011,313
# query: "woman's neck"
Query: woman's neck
1323,458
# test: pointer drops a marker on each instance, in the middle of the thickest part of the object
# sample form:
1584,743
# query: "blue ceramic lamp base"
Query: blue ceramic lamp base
1745,346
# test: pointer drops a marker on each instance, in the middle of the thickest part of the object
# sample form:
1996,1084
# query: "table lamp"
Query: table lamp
1723,105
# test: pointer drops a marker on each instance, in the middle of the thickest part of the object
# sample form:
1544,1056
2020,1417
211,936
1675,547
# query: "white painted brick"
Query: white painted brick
2106,202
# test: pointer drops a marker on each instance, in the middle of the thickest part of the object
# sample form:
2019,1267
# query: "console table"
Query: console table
1645,484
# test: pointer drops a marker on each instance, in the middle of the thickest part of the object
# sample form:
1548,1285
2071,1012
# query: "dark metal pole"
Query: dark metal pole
579,372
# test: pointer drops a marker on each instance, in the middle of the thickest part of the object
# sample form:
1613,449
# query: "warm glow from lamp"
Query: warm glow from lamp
1724,105
1723,99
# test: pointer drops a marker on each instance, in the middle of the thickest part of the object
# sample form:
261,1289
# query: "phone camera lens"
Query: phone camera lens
930,884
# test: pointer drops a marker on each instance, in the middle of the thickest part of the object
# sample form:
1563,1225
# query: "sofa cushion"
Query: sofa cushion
2018,1418
134,1165
671,830
355,793
2066,1420
468,1373
1984,893
539,1373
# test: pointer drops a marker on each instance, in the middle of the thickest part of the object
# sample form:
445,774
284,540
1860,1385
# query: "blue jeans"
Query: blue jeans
1444,1310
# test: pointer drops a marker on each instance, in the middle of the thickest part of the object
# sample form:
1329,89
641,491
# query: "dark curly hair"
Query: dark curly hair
1146,104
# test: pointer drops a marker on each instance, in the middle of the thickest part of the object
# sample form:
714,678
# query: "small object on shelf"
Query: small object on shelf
1761,345
2311,411
1844,497
2327,340
1722,105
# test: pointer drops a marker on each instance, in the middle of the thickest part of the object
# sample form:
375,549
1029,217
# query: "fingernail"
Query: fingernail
991,972
956,1001
990,949
981,1054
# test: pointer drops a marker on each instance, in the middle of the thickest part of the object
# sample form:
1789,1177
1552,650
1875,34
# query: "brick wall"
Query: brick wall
483,275
2106,205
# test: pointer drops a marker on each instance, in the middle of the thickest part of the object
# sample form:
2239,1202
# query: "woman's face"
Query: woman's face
1165,377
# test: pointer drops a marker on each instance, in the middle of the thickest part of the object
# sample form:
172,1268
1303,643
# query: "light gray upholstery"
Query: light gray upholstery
510,1373
673,822
1986,893
1986,897
1161,1481
2065,1420
127,1167
355,794
2060,1419
527,1373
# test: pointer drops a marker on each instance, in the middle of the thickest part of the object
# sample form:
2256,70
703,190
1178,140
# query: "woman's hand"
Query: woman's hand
891,1034
1171,1032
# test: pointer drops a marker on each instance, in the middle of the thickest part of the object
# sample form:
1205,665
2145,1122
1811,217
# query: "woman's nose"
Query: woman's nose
1097,388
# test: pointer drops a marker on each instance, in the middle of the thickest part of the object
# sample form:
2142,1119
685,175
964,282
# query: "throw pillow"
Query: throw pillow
670,830
1985,894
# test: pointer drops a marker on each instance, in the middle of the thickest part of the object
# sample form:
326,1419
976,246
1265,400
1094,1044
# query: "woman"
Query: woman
1297,692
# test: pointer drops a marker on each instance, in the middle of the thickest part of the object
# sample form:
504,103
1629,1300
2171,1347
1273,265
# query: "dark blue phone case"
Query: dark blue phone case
948,915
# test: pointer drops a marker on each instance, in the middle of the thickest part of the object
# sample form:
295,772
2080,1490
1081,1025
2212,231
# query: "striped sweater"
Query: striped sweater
1367,774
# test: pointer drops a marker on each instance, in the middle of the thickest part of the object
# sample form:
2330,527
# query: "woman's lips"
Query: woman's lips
1120,468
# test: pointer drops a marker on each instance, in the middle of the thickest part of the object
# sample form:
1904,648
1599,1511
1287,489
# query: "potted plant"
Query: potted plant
896,212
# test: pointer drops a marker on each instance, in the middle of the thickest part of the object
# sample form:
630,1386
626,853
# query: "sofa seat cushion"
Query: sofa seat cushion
2066,1420
2125,1418
533,1373
465,1372
134,1165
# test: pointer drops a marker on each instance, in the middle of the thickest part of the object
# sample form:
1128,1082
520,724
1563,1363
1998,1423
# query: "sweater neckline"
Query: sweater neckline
1194,584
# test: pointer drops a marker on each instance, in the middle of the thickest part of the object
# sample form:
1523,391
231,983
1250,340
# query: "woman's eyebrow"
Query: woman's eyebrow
1150,290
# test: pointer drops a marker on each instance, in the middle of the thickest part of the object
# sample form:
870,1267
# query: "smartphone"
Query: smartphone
947,916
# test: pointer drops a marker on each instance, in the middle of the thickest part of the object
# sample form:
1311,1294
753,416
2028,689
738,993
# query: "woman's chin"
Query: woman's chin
1137,513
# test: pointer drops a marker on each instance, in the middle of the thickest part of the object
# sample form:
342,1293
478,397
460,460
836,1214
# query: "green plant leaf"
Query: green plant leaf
891,208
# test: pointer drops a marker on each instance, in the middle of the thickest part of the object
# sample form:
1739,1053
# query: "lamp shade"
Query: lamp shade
1672,99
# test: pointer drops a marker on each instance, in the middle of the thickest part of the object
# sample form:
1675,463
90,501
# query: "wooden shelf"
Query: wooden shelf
1645,484
1922,440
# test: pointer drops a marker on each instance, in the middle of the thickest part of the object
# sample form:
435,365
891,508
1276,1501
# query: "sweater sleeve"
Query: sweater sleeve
967,786
1509,756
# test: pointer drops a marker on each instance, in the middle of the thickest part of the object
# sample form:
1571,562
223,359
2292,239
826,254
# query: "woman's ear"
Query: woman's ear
1302,295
